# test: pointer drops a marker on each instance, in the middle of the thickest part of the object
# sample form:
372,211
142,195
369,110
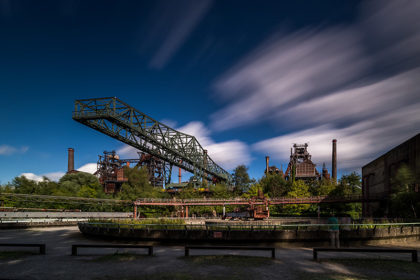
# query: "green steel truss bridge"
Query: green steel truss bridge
119,120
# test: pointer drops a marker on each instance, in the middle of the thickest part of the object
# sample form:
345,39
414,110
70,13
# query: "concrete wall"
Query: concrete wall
297,237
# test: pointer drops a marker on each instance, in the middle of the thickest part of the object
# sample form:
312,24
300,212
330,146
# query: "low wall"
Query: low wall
60,214
9,220
298,237
44,223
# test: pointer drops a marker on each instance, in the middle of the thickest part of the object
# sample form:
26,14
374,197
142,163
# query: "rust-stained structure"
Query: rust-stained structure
272,169
255,201
377,175
325,174
300,166
111,174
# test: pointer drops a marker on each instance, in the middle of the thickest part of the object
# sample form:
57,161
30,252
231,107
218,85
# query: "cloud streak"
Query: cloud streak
358,84
357,144
7,150
286,70
228,154
170,26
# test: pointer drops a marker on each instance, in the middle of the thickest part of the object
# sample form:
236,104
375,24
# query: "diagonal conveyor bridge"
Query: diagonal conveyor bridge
119,120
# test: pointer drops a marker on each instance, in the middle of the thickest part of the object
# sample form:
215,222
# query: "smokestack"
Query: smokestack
334,160
70,166
267,159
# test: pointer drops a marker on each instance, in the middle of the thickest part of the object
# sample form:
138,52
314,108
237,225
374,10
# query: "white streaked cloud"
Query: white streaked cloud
357,144
391,28
286,70
127,151
228,154
169,27
7,150
357,84
370,101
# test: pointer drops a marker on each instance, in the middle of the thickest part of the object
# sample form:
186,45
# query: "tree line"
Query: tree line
404,202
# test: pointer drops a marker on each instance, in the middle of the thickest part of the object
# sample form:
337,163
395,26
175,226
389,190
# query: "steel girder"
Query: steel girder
119,120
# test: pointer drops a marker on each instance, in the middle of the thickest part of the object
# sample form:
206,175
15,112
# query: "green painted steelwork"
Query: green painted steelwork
119,120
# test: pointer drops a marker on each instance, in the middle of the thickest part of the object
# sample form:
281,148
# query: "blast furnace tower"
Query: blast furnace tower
301,166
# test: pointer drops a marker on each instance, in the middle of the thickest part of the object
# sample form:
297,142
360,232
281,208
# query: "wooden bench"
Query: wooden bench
368,250
75,246
40,246
272,249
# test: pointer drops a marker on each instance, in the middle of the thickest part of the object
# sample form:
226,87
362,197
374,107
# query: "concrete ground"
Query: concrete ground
169,262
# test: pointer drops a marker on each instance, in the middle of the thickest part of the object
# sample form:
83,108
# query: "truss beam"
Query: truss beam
119,120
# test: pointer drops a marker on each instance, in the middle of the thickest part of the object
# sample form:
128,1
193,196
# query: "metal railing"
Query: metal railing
275,200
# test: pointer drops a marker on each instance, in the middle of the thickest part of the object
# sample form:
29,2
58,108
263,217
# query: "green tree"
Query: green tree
322,187
405,202
297,190
23,185
138,185
348,185
404,179
352,183
220,191
253,191
79,184
241,179
274,185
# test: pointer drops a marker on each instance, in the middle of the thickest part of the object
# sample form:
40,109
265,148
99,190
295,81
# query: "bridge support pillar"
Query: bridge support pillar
186,211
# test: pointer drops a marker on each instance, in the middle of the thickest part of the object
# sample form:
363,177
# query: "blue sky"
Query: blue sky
247,78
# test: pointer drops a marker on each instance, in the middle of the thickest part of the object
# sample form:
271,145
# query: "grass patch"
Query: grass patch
119,257
6,255
229,260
